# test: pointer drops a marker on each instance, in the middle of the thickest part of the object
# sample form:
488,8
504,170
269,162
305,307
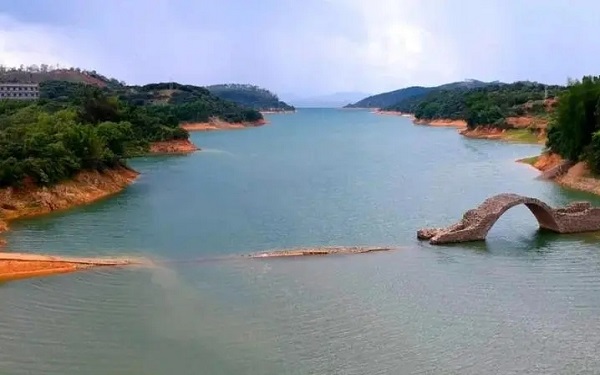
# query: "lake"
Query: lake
522,302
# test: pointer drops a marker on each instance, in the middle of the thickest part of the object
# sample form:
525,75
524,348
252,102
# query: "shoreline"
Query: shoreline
394,113
575,176
521,131
519,134
217,124
442,122
523,135
174,146
85,188
284,112
530,130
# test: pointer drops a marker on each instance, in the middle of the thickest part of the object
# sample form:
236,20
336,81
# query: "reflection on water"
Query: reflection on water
522,302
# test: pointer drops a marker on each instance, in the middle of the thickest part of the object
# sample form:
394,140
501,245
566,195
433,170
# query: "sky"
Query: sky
307,47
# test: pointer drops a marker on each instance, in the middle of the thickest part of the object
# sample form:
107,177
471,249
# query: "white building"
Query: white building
23,91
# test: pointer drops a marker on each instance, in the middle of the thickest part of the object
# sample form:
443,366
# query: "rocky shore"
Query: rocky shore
85,187
441,122
429,122
525,129
524,135
175,146
575,176
217,124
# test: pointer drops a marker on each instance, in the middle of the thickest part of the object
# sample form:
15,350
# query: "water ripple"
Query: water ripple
523,302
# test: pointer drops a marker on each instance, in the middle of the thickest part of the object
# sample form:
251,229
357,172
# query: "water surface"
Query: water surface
523,302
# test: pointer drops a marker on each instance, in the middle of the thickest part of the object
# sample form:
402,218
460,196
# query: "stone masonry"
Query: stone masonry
476,223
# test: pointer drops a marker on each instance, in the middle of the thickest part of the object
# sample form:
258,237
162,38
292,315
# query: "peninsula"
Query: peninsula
251,96
519,111
70,147
563,118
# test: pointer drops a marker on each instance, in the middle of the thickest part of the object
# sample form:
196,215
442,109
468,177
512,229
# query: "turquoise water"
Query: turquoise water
523,302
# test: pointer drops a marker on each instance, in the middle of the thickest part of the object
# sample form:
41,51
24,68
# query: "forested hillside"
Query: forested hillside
187,103
250,96
487,105
51,140
388,98
78,126
415,93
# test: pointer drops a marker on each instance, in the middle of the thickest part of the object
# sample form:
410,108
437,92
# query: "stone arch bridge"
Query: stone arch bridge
476,223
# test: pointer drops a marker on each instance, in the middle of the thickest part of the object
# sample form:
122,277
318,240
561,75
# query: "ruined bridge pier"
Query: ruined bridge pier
476,223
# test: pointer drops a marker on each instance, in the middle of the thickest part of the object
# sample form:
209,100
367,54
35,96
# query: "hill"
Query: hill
188,103
185,103
250,96
35,74
388,99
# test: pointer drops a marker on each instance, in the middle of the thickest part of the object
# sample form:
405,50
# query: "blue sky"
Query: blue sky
307,47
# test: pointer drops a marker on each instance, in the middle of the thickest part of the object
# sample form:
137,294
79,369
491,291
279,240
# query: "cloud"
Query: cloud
313,47
355,45
309,47
29,43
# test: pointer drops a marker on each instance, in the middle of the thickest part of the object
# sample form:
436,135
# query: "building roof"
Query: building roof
17,84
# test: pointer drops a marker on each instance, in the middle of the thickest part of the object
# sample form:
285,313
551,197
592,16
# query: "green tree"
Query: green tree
576,118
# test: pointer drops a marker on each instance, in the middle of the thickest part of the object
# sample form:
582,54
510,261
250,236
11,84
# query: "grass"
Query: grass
530,160
523,136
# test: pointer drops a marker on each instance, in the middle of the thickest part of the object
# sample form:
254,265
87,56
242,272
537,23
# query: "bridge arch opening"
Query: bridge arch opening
541,213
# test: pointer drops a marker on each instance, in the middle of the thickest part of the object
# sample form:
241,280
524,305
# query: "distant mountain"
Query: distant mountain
335,100
250,96
388,99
